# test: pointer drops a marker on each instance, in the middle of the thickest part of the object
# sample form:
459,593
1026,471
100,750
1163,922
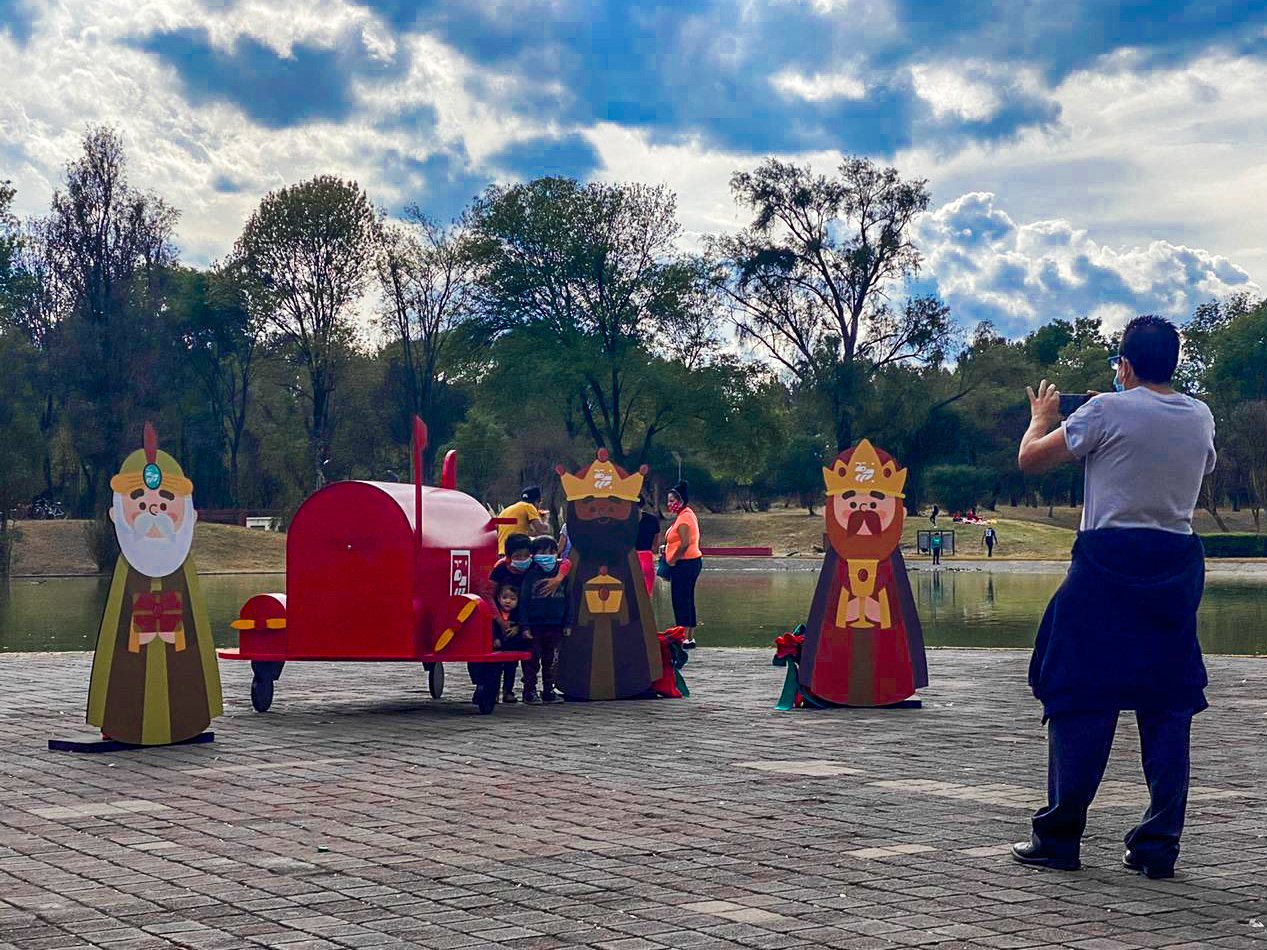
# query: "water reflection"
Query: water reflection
741,608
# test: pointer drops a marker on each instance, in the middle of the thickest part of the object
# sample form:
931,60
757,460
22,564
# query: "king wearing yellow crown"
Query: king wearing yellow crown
613,651
863,643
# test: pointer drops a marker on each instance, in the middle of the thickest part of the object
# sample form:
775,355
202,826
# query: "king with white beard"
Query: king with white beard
154,674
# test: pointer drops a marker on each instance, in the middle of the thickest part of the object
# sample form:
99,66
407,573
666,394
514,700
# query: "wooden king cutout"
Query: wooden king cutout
864,645
613,651
154,674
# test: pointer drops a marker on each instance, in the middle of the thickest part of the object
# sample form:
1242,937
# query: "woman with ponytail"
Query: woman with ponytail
682,552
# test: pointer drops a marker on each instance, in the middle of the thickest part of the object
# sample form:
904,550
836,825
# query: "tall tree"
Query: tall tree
809,281
426,275
309,251
593,273
219,329
1246,442
101,255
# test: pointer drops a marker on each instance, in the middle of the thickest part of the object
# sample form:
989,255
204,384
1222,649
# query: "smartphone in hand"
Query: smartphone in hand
1071,402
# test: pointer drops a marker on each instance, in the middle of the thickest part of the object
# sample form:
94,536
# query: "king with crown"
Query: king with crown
154,674
863,643
614,650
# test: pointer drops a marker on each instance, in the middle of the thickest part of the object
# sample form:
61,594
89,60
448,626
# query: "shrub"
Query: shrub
1235,545
103,545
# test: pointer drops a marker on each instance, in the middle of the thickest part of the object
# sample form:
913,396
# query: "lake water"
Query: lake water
737,608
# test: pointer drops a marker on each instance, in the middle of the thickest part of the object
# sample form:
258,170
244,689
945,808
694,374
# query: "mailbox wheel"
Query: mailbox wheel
485,699
265,674
261,693
435,679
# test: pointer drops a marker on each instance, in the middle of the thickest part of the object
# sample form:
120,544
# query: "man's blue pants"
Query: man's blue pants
1078,746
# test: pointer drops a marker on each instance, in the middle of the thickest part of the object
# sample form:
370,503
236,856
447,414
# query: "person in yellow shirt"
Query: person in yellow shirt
529,519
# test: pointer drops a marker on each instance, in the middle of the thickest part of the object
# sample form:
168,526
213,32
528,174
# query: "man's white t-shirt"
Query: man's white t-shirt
1146,455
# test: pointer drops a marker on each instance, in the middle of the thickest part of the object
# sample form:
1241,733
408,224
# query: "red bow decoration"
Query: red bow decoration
788,646
677,634
673,656
157,615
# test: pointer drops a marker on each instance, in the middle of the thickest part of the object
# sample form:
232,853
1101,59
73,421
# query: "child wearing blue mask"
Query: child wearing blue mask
543,615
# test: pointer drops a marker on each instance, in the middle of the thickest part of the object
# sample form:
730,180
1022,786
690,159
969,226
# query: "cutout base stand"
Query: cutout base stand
113,745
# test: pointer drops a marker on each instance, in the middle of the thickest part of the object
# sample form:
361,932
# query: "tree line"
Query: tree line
552,318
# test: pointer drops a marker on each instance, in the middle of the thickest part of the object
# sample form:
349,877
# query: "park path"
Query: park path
359,813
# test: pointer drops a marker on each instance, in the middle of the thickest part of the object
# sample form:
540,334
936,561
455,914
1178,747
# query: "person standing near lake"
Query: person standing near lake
682,551
648,541
529,519
1121,632
934,546
989,539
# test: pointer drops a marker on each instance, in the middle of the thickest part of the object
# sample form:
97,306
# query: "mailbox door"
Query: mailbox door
349,576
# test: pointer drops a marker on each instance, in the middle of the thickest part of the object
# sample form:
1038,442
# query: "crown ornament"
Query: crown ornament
602,479
861,470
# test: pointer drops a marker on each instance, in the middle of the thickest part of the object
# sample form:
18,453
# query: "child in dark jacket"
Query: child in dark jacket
545,618
508,634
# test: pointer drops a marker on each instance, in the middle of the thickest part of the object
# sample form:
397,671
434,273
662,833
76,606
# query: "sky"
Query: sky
1083,156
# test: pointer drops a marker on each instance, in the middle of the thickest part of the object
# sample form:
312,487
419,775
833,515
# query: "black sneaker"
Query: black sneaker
1028,853
531,696
688,644
549,696
509,698
1155,872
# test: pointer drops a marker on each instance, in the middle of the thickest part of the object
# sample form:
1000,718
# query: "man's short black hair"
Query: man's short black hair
544,544
518,542
1151,345
531,493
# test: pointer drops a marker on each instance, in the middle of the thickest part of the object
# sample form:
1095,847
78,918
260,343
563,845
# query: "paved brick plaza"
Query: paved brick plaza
361,814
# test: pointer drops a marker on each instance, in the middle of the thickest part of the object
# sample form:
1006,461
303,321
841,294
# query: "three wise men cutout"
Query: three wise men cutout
614,650
154,674
864,645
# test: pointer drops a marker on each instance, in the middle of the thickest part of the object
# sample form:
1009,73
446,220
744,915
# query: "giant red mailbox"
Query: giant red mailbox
368,578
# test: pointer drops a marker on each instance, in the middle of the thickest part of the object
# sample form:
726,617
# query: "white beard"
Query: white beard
154,557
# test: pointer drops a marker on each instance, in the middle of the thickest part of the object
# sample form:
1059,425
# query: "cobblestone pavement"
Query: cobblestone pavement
359,813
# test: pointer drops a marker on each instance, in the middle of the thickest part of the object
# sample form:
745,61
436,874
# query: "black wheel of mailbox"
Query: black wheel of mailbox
265,674
435,679
261,693
485,699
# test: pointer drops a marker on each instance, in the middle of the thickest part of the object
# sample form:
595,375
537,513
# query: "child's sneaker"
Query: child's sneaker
531,696
508,697
550,696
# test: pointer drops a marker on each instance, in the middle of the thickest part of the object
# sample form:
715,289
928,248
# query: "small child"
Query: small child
509,635
543,617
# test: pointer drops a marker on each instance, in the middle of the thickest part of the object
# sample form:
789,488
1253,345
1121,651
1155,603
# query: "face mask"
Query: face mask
547,561
1117,384
521,565
676,506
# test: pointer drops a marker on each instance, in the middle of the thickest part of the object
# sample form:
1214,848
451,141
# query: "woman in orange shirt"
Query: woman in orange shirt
682,551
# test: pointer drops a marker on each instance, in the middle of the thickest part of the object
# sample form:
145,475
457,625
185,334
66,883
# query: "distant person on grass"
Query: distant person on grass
934,546
1121,632
990,538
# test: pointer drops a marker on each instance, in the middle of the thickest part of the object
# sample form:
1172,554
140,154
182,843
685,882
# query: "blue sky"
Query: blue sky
1083,156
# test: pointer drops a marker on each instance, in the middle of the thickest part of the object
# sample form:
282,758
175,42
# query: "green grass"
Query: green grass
790,531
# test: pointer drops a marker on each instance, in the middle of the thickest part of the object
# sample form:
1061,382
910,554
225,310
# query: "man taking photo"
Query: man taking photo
1121,632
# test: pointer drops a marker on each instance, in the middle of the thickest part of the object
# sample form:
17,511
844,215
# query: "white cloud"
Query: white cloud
953,91
1020,275
821,87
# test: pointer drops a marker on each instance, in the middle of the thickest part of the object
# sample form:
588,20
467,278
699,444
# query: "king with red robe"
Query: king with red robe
863,643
